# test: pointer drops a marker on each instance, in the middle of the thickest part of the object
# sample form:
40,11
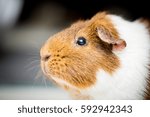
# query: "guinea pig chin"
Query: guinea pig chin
43,67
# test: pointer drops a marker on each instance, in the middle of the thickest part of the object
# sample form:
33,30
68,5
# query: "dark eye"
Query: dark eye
81,41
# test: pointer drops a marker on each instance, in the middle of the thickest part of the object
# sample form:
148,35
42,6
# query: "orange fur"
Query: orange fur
76,64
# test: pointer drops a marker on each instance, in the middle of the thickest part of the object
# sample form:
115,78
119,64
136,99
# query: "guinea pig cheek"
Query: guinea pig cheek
70,73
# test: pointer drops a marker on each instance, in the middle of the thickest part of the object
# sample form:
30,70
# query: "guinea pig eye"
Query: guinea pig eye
81,41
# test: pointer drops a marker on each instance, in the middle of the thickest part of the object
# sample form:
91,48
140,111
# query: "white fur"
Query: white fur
129,81
62,82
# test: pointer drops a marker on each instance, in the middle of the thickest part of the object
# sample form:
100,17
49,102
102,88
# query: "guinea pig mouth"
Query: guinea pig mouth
48,71
43,67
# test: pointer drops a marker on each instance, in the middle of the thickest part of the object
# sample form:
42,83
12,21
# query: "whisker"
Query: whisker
33,67
32,60
31,63
44,81
37,77
34,83
39,74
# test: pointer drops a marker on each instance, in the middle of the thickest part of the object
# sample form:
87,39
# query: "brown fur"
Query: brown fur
146,22
76,64
147,93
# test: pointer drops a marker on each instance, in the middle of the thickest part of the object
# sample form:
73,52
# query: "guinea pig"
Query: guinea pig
105,57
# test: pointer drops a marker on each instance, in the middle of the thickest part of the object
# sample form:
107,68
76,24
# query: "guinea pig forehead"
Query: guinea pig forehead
87,31
68,34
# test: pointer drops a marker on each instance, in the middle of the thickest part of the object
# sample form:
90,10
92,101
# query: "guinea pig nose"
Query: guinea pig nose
46,57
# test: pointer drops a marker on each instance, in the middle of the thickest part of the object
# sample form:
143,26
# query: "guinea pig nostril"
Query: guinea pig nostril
46,58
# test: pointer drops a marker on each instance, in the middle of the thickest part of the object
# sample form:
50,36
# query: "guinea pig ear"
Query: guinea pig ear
106,36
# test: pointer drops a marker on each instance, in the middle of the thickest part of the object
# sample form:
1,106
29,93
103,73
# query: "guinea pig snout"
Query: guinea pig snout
45,57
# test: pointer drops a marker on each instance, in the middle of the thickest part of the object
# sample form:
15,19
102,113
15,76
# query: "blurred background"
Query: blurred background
26,24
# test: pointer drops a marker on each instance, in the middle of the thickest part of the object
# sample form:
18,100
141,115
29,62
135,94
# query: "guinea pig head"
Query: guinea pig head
73,56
